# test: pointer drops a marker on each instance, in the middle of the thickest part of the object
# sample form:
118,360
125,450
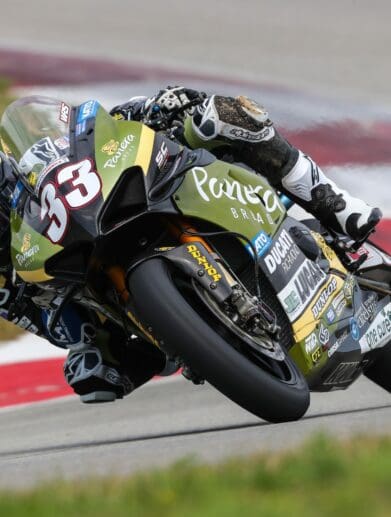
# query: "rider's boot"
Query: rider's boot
244,125
110,370
335,208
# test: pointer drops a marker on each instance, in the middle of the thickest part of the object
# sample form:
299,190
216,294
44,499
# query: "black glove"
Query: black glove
170,106
167,107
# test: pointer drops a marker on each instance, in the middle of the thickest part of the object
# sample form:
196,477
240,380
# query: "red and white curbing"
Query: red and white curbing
30,368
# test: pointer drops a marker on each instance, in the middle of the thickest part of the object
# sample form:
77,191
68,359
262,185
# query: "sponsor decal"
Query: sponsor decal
379,332
217,188
291,302
27,252
348,287
23,258
87,110
65,112
330,315
311,342
242,134
309,278
110,147
339,303
201,259
162,156
301,289
324,297
26,242
282,252
120,152
32,178
366,311
261,243
341,339
247,214
80,128
316,356
16,194
62,143
324,335
39,156
46,170
354,329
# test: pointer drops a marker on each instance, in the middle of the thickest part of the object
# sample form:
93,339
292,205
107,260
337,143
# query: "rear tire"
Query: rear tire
187,332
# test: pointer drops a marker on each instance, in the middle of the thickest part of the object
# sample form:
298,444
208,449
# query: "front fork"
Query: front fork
196,259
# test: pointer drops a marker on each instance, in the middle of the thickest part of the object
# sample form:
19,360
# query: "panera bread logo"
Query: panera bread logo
119,152
111,147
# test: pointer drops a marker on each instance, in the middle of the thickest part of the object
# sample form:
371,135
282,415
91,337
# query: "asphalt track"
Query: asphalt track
161,423
336,58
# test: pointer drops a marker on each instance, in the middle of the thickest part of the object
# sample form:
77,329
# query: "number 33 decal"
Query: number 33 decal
85,186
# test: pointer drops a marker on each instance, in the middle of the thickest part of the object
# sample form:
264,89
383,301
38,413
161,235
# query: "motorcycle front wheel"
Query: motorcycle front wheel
274,390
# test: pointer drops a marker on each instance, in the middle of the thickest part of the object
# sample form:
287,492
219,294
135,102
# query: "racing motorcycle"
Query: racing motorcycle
195,255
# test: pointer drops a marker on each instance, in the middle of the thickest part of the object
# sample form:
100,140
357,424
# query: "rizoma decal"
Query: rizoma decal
297,295
245,194
87,110
324,297
283,252
261,243
201,259
123,146
379,332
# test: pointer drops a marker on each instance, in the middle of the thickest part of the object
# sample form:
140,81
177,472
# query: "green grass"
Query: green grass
321,479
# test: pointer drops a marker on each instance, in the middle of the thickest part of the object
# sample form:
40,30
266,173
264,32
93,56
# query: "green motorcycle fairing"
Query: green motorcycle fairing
62,208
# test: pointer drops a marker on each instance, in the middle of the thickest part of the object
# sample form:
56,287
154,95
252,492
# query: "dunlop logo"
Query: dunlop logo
201,259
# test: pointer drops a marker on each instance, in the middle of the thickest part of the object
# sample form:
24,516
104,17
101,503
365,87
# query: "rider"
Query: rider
105,364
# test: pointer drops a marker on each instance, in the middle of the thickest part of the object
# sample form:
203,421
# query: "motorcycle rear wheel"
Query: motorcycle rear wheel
189,331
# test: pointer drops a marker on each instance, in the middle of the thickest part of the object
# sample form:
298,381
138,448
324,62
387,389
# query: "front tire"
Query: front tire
187,332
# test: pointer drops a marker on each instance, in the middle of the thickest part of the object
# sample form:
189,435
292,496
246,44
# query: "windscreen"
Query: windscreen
35,132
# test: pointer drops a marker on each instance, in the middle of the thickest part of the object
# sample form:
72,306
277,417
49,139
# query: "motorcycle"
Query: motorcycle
195,255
